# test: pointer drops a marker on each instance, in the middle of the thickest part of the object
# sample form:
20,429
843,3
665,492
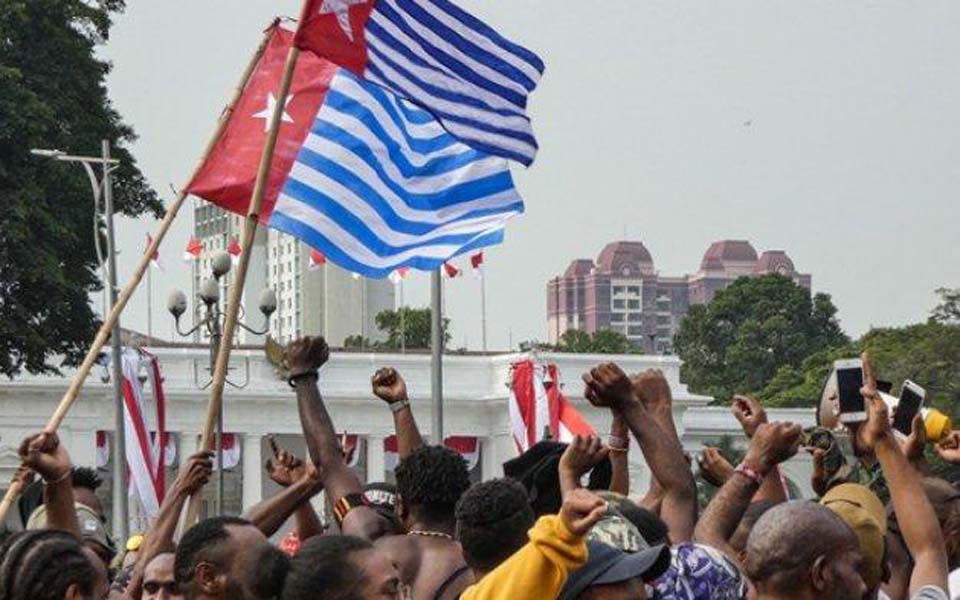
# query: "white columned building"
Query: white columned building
475,399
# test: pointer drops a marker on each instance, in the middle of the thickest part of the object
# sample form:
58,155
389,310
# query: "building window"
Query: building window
635,330
633,290
635,317
621,304
618,290
616,318
635,304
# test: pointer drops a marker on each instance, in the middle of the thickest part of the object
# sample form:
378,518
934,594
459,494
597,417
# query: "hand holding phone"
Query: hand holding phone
849,381
911,401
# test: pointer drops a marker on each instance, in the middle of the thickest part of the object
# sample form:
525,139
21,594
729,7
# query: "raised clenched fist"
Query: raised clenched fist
772,444
749,412
306,354
607,386
389,386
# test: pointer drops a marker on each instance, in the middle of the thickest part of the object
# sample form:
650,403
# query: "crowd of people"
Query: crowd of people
561,524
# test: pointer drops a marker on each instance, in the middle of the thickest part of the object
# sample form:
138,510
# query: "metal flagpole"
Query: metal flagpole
363,312
403,325
150,302
120,522
236,289
483,308
106,328
436,351
326,302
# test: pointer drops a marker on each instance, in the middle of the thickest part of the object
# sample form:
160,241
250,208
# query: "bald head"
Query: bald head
787,540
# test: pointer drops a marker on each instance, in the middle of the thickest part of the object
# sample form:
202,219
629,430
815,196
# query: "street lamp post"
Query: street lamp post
104,186
212,320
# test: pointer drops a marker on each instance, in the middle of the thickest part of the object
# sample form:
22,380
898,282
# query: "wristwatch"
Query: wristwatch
399,405
293,377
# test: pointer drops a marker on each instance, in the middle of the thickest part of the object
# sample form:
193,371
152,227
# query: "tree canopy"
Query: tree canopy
53,95
751,330
603,341
410,324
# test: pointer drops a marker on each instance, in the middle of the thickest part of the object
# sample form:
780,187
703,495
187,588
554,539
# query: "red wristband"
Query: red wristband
750,473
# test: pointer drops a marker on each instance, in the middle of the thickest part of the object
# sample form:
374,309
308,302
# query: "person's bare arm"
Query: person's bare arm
609,387
390,387
916,517
44,454
772,444
303,358
619,444
583,454
653,499
191,478
750,413
270,514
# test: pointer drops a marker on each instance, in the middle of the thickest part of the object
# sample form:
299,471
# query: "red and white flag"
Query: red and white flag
467,446
155,258
234,250
145,459
536,408
317,259
193,251
398,275
476,261
231,452
451,271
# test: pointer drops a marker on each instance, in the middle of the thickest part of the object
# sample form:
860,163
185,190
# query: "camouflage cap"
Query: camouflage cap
615,530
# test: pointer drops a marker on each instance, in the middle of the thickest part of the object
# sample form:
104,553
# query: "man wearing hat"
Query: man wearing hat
862,510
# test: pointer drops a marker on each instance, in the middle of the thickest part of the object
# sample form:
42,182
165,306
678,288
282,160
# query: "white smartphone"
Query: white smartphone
849,381
911,401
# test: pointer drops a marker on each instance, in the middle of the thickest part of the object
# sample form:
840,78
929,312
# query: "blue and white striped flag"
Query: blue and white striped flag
379,184
475,81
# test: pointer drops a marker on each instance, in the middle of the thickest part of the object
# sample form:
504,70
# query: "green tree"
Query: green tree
927,353
600,342
53,95
757,325
948,311
414,323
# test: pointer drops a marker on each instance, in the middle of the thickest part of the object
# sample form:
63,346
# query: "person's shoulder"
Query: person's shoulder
930,592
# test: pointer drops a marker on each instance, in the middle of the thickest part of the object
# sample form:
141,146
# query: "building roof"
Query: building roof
774,261
579,268
724,251
625,258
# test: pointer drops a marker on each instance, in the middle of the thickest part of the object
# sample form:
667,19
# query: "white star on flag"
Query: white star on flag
341,8
267,113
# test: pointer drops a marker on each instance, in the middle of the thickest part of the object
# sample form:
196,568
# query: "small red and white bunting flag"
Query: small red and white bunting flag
476,261
193,251
451,271
235,251
155,259
398,275
317,259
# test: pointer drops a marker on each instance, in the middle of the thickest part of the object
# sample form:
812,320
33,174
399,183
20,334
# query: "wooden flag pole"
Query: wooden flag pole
215,404
73,391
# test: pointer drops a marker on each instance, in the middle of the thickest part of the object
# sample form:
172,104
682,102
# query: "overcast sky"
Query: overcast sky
830,130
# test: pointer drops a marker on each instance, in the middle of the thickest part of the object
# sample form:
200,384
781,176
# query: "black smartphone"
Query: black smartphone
911,400
849,382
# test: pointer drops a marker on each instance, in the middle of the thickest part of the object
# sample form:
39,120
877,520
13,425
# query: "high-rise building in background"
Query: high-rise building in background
623,292
324,300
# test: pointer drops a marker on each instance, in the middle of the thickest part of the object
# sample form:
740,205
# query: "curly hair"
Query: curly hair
324,564
432,477
198,540
85,477
42,564
492,522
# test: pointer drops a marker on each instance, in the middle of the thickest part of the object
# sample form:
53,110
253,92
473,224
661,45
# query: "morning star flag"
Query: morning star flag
432,52
372,181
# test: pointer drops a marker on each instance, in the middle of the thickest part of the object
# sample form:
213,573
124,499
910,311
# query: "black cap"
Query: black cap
606,565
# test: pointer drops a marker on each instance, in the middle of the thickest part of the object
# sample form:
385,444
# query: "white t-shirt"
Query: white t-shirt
929,592
954,585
